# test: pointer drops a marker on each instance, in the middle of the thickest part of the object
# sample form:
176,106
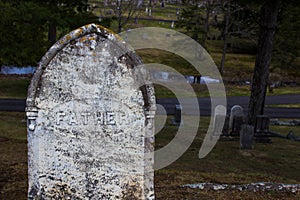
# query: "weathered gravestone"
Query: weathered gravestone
177,115
236,119
90,121
235,111
246,136
261,130
219,119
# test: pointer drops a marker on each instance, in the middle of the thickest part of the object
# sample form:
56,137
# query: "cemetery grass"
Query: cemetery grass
238,69
230,89
16,88
13,156
276,162
13,86
284,105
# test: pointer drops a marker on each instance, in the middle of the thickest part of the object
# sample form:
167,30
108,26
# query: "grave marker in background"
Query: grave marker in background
246,137
177,115
219,118
236,119
235,111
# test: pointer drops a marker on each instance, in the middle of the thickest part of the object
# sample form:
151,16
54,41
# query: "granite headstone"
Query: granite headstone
90,121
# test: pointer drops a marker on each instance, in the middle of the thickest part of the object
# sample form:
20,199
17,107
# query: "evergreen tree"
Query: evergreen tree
29,27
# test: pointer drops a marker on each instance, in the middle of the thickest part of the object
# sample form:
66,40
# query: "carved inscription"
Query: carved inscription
95,118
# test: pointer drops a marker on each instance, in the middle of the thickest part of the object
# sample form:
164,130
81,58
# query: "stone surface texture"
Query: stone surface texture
90,121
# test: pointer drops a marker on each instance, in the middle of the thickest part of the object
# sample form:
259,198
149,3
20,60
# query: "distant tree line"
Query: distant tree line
29,27
273,24
241,19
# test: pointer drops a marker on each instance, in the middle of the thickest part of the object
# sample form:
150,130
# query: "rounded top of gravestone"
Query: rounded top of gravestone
237,108
86,40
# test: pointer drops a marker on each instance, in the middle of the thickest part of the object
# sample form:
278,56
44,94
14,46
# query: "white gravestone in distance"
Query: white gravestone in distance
90,121
235,111
219,118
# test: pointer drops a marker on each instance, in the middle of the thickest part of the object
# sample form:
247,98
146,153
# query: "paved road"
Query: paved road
204,105
273,112
17,105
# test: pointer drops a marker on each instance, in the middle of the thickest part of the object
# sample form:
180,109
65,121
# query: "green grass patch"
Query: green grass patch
146,23
237,66
227,164
13,125
166,58
231,91
14,87
284,130
237,90
286,90
245,90
284,105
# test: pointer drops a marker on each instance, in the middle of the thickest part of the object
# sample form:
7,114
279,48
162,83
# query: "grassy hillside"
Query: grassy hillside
276,162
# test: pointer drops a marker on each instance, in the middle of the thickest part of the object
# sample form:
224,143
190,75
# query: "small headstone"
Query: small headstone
246,137
90,121
177,12
219,118
238,121
262,125
292,136
225,131
295,122
235,111
177,115
172,24
274,121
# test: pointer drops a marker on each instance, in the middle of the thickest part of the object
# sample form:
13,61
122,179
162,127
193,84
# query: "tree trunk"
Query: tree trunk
52,33
150,8
119,27
206,26
119,15
225,34
268,24
223,54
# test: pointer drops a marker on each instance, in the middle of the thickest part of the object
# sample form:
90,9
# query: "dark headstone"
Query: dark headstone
238,121
225,131
262,125
177,115
246,136
235,111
